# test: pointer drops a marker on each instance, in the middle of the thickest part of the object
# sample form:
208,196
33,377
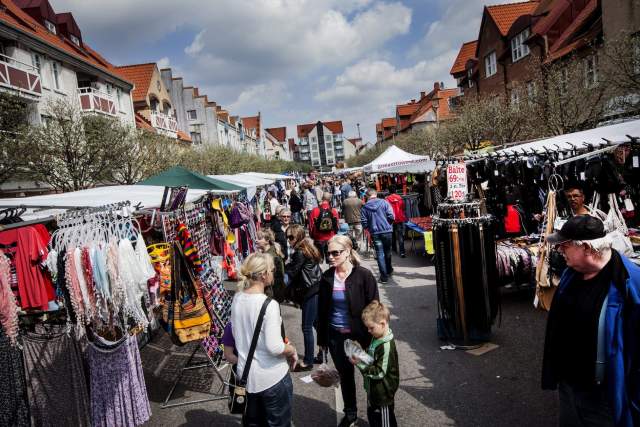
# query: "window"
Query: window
119,98
109,88
55,71
314,139
74,39
36,61
328,146
337,137
314,147
196,138
490,67
518,48
590,71
329,153
470,77
192,114
327,138
50,26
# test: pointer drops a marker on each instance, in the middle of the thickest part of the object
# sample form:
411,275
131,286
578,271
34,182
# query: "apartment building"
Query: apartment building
386,129
152,101
321,143
276,146
43,57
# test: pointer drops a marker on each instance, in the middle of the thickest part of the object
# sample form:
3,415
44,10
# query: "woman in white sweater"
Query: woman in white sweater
269,386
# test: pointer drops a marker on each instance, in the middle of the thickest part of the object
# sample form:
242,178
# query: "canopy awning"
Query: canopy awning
178,176
245,181
396,160
143,196
595,137
274,176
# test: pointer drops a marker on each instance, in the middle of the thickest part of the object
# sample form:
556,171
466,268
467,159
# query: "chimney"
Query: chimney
422,95
413,101
436,86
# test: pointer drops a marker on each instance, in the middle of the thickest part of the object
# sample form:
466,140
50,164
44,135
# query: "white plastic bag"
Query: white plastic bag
352,348
617,229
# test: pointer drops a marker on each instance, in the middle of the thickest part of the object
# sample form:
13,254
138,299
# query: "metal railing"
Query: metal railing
17,75
94,100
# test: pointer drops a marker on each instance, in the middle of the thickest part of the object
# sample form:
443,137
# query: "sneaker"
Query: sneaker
300,368
348,421
391,272
384,280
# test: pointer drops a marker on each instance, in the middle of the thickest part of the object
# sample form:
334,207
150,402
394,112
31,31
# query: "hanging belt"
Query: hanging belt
601,356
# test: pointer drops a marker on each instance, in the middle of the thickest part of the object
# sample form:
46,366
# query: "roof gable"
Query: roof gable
141,75
335,126
280,134
504,15
467,52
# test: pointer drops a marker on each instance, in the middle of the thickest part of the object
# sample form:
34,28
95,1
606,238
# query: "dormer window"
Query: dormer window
50,26
518,47
74,39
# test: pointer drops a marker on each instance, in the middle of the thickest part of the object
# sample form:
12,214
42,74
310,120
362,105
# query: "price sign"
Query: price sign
457,181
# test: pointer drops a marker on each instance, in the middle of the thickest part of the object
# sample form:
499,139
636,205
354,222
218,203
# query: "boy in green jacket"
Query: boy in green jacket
382,377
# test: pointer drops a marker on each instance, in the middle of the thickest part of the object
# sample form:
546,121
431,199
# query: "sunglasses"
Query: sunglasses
335,254
285,216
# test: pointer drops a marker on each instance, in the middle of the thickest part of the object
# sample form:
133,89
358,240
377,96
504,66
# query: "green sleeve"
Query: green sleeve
378,369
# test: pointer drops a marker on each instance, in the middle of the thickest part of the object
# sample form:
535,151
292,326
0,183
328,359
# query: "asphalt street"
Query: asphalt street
438,387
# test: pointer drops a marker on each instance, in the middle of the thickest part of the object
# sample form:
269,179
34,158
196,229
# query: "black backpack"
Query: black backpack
326,221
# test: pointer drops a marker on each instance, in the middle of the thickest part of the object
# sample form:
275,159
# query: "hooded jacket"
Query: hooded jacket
377,216
382,377
622,317
397,204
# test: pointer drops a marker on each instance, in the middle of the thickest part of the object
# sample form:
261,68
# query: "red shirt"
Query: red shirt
397,204
321,236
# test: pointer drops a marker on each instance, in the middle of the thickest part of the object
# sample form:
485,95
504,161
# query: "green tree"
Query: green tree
14,113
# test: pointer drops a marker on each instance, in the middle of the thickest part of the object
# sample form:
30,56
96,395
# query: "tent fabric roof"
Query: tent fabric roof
143,196
179,176
398,160
595,137
246,181
273,176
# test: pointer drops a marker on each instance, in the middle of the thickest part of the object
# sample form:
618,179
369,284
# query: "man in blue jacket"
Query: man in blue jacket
592,343
377,217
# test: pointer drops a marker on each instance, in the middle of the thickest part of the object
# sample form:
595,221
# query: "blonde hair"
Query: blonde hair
345,242
253,268
376,312
268,235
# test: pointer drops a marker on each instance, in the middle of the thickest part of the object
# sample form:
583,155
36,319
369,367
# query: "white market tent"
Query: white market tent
396,160
249,182
595,137
51,204
273,176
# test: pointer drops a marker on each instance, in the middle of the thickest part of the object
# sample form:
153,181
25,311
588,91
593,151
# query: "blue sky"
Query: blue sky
295,61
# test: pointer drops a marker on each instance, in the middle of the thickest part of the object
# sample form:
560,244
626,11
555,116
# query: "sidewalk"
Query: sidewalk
437,388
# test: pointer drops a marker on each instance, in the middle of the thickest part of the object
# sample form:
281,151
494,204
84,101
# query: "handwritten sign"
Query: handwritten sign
457,181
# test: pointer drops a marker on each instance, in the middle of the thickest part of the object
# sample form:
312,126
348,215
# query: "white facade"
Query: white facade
63,78
235,137
322,150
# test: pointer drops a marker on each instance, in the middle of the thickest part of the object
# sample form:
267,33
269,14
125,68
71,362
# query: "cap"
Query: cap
579,227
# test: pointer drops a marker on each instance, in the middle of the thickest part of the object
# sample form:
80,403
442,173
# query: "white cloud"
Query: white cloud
267,96
197,45
163,62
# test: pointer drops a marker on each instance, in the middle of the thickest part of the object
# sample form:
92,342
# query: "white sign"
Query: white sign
457,181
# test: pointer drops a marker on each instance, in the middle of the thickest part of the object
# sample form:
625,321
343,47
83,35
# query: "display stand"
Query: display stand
466,297
218,367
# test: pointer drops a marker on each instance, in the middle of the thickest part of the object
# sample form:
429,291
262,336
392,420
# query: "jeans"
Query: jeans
584,408
346,371
322,247
382,243
309,315
271,407
398,238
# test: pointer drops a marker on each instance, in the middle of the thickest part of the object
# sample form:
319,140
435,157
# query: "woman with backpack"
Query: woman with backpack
267,244
304,274
323,224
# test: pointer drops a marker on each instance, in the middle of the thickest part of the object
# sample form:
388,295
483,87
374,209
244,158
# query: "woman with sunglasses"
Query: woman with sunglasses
304,272
346,289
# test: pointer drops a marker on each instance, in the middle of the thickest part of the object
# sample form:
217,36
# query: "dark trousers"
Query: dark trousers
382,243
271,407
322,246
381,416
584,408
346,371
398,238
309,315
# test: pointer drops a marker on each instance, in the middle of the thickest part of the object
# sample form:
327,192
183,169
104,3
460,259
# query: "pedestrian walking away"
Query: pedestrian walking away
323,224
397,204
351,210
346,289
267,244
309,199
304,273
269,385
296,206
592,345
382,376
377,217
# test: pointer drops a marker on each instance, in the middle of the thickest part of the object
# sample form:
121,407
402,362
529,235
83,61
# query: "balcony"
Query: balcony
164,122
304,142
95,101
304,150
20,77
305,157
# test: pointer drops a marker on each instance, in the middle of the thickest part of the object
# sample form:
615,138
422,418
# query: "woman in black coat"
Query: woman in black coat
345,290
304,273
295,204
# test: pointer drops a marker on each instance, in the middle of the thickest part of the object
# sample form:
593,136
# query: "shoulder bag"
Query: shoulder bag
237,387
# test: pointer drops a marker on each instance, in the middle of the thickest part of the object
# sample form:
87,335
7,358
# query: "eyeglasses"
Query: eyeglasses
285,216
335,254
290,237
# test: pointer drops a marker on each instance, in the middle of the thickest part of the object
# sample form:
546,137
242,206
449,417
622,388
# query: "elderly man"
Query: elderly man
592,344
351,208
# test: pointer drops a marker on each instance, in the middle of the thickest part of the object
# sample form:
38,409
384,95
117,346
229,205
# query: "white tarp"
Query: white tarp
249,182
396,160
146,196
273,176
594,137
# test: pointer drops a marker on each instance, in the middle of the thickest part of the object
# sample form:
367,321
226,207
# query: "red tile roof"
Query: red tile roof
14,17
252,123
142,123
378,127
407,109
589,9
354,141
389,122
467,52
335,126
504,15
183,136
280,134
140,75
303,130
556,10
223,115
